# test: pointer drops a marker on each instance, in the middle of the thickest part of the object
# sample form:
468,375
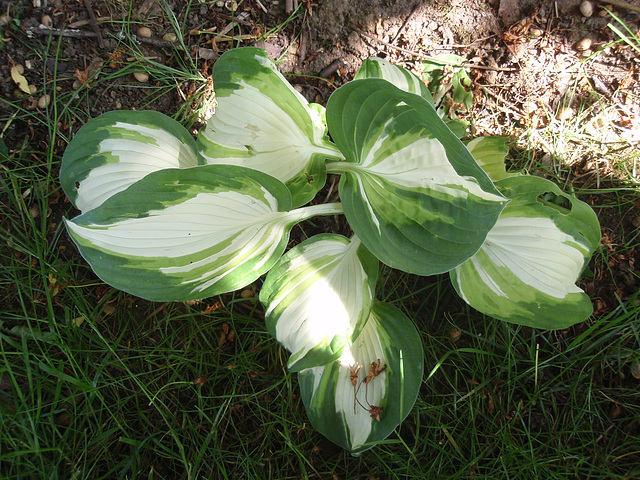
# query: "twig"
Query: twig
443,62
58,32
393,40
326,72
290,5
82,23
94,22
304,38
619,3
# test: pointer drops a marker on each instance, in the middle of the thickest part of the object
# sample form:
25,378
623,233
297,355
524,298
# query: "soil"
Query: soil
529,61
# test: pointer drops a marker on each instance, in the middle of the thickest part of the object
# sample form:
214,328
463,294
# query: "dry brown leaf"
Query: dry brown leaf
200,380
19,79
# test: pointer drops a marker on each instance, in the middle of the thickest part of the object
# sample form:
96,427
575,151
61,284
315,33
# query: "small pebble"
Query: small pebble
145,32
584,44
220,3
565,113
600,122
247,293
586,8
170,37
33,89
535,32
530,107
44,101
46,21
141,77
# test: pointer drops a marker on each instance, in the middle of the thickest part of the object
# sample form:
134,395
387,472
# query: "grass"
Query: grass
97,384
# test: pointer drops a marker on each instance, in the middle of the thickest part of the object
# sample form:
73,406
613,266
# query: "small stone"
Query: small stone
584,44
46,21
33,89
247,293
565,113
586,8
141,77
44,101
529,107
34,210
170,37
145,32
220,3
76,84
535,32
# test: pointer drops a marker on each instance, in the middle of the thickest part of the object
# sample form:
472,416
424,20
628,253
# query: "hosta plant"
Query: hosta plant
166,217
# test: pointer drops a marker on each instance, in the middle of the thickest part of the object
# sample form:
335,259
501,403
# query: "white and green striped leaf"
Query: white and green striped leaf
402,78
527,268
490,153
405,80
411,190
318,297
116,149
345,412
262,122
183,234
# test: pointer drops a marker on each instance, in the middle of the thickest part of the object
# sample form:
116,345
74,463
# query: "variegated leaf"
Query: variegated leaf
527,268
490,154
405,80
116,149
262,122
318,297
400,77
183,234
411,190
359,399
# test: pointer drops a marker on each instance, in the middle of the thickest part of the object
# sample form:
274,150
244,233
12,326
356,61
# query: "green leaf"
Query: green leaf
411,190
344,412
490,153
318,297
261,122
116,149
4,151
400,77
444,73
527,268
184,234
